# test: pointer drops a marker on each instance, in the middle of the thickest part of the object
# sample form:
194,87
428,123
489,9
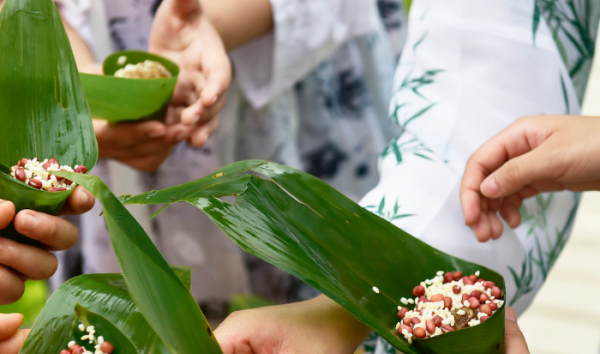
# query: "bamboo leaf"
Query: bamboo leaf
152,284
118,99
44,111
305,227
103,328
104,294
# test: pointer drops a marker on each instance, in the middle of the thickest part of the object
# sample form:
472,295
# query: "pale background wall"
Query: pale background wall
564,317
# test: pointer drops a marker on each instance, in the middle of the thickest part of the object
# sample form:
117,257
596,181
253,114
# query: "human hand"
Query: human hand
19,262
513,337
11,338
315,326
141,145
182,33
533,155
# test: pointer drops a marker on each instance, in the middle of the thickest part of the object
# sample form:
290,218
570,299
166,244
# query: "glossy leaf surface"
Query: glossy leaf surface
104,294
120,99
103,328
44,111
302,225
160,295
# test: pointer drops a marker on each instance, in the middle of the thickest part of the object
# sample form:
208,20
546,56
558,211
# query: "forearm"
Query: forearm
239,21
81,51
339,323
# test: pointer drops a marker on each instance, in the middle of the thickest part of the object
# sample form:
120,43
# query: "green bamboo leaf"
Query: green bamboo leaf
118,99
104,294
536,20
305,227
103,328
44,111
152,284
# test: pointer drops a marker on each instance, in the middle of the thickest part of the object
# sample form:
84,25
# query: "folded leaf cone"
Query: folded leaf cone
44,111
117,99
303,226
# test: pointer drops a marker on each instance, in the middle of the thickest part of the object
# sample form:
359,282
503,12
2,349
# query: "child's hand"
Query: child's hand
141,145
315,326
20,262
182,33
11,338
533,155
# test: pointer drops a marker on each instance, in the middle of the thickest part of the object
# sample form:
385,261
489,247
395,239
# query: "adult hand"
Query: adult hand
19,262
182,32
11,338
513,337
315,326
533,155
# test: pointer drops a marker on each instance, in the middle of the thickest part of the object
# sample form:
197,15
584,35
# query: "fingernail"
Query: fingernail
29,222
157,134
85,198
510,314
196,119
489,186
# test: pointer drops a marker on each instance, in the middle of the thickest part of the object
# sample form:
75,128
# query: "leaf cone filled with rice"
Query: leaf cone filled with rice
44,113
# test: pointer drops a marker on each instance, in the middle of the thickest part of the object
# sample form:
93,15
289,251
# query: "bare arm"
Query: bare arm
81,51
239,21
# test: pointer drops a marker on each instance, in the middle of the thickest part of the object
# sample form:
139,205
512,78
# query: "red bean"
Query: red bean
496,292
405,327
467,281
37,184
81,169
65,352
483,298
407,320
447,328
430,326
53,161
418,291
447,302
46,165
456,289
415,320
68,182
424,299
465,297
485,308
448,277
402,312
23,162
421,311
419,332
437,297
77,350
488,285
483,318
20,175
476,294
474,303
473,278
457,275
437,320
493,305
480,280
107,348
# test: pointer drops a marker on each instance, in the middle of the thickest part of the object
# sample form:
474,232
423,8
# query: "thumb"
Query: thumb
513,337
9,324
185,8
521,171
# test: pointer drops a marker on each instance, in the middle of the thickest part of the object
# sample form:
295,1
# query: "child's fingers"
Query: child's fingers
13,344
9,325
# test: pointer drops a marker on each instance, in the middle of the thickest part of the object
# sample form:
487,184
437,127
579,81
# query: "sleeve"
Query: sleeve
88,18
468,70
306,33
